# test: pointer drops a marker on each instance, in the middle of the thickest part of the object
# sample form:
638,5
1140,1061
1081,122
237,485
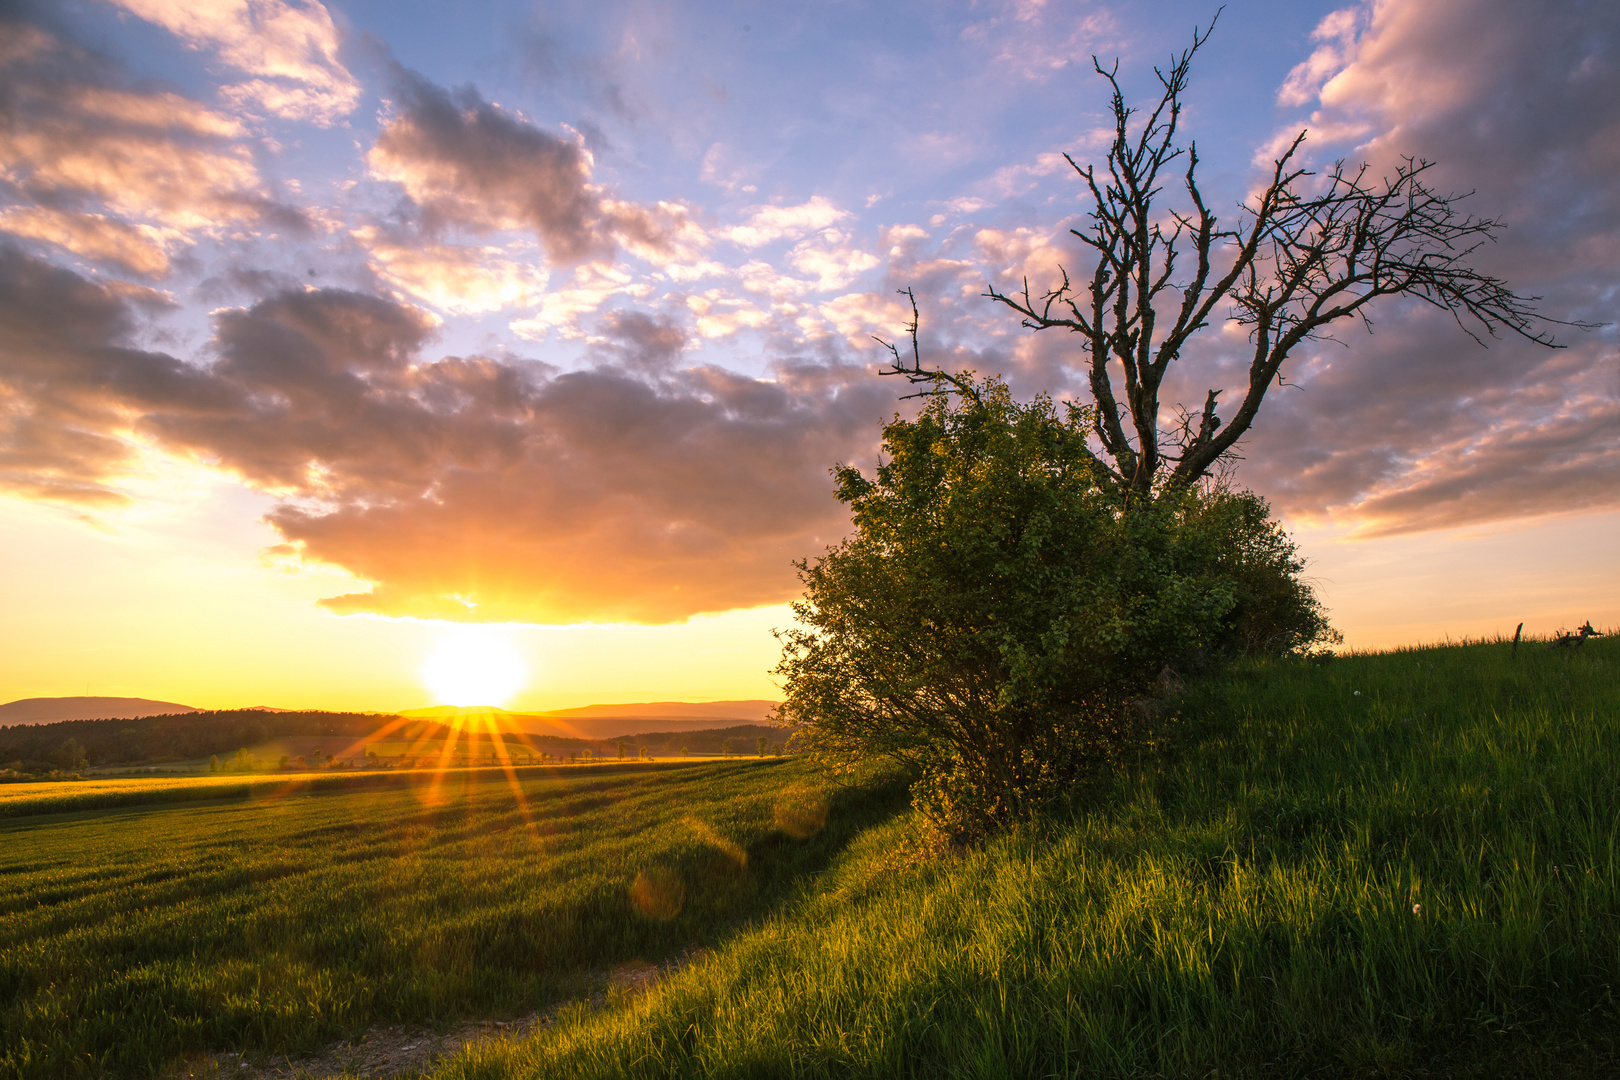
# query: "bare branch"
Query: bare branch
1294,264
937,380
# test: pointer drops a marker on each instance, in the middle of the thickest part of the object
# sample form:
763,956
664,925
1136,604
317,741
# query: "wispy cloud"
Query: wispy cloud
289,50
767,224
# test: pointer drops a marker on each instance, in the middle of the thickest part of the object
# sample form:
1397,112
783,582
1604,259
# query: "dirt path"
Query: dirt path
393,1050
384,1051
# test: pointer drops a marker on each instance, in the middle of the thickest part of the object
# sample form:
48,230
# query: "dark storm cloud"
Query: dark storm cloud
464,487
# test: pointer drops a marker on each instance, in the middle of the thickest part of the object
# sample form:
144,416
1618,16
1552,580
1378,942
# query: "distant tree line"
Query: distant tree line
174,737
71,745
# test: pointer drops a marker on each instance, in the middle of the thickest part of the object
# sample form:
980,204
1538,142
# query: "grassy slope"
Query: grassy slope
1249,908
130,936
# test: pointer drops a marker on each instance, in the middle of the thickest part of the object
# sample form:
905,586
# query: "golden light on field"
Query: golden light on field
474,665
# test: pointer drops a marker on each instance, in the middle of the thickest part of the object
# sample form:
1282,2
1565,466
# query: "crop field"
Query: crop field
1404,864
290,915
47,797
56,796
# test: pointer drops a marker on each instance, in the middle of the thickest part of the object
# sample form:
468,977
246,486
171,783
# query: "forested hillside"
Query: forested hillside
176,737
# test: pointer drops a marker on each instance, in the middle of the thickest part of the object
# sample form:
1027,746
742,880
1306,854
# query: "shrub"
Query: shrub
1274,612
1001,604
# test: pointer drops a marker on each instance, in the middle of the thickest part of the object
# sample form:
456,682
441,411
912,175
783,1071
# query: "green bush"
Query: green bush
1001,605
1274,613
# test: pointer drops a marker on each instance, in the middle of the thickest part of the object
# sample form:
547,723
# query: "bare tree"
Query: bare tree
1306,252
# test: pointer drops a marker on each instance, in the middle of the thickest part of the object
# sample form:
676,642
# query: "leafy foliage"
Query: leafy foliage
1274,611
1001,605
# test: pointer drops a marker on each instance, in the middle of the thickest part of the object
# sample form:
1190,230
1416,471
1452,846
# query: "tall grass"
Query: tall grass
131,936
1395,864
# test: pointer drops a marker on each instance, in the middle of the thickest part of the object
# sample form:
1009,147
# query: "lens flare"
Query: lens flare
474,665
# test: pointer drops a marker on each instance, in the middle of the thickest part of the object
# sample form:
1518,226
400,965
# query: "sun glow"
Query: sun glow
474,665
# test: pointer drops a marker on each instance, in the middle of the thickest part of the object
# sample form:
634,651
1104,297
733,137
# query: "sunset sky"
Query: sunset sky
326,331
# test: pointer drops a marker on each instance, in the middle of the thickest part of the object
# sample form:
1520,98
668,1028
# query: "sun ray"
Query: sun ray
381,733
434,798
499,744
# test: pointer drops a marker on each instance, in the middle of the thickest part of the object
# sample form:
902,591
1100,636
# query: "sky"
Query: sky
335,336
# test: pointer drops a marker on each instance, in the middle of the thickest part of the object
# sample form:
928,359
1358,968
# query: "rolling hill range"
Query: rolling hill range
49,710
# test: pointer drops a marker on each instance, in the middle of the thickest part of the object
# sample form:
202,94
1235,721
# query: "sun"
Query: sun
474,665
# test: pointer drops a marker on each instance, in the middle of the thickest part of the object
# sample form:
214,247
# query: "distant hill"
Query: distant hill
455,710
614,721
754,710
49,710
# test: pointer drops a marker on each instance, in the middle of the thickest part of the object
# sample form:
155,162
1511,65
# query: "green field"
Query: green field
289,918
96,793
1403,864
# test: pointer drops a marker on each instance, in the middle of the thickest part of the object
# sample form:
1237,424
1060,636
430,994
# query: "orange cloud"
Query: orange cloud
70,384
454,278
463,487
140,249
766,224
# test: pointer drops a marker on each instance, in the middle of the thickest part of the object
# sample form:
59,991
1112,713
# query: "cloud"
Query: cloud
547,60
721,315
1337,33
1012,181
564,309
859,316
289,49
639,341
832,259
590,495
472,164
634,489
1018,255
722,169
454,278
1036,38
138,249
71,384
80,144
1415,426
766,224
